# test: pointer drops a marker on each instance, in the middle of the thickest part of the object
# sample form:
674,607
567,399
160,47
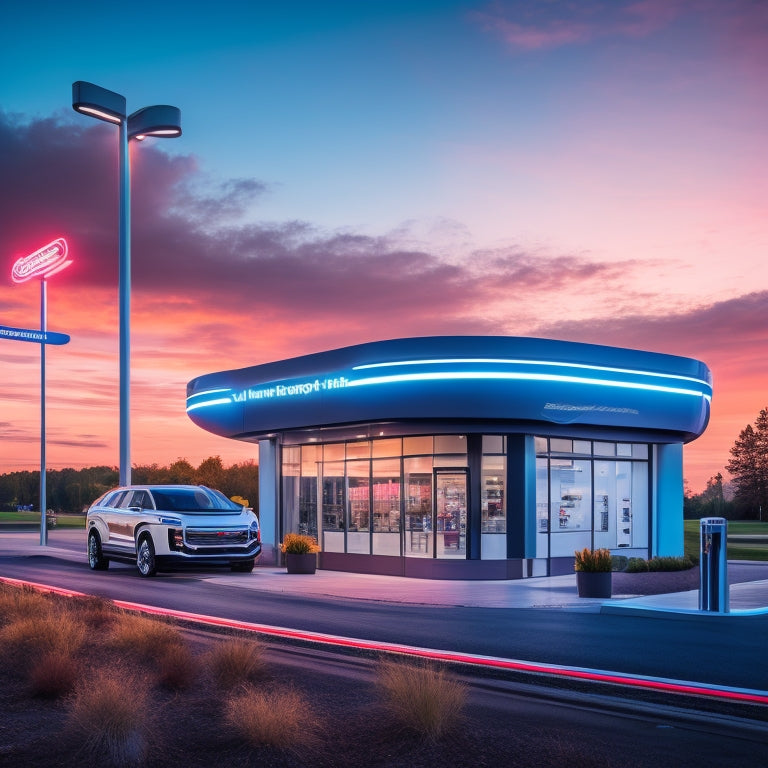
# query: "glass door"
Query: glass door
450,513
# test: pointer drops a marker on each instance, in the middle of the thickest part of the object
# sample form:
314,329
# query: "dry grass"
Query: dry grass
422,697
53,675
110,713
21,602
176,668
144,636
236,661
52,631
281,718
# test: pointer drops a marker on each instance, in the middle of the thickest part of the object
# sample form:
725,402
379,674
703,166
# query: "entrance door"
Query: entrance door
450,513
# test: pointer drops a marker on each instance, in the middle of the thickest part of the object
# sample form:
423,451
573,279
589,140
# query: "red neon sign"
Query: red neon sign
44,262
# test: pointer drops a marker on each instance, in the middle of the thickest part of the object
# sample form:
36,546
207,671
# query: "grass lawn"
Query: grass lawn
33,518
748,550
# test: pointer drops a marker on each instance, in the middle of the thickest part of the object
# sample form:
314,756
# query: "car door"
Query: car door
125,517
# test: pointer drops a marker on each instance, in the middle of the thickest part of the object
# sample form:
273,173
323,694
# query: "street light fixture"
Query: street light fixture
162,121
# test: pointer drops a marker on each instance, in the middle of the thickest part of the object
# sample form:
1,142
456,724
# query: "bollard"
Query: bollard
713,567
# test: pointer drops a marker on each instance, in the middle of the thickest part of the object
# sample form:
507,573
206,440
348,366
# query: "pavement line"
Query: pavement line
667,685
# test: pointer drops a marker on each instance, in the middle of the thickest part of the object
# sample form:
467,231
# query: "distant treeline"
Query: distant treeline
72,490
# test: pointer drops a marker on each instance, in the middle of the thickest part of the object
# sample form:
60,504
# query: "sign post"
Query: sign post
43,263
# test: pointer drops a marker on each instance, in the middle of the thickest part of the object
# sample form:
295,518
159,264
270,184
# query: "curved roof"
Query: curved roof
492,379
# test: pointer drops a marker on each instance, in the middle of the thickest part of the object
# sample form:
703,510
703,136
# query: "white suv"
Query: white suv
156,526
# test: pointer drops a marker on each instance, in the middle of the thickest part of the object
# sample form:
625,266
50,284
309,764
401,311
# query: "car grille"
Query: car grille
216,538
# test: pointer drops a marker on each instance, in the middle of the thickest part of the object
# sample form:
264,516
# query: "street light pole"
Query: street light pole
160,120
124,300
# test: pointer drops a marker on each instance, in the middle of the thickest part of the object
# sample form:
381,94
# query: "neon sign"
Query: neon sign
43,263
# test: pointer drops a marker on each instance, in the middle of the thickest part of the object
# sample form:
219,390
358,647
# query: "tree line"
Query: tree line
746,496
72,490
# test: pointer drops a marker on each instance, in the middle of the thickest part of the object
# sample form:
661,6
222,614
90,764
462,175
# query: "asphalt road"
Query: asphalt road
711,650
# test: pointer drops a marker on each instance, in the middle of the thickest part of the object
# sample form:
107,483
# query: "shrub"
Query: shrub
281,718
235,661
421,697
639,565
592,561
299,544
53,675
109,711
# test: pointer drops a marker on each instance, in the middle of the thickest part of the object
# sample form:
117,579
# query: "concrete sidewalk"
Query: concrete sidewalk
747,597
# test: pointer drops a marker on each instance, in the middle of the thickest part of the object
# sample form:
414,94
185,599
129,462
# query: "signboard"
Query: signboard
39,337
44,262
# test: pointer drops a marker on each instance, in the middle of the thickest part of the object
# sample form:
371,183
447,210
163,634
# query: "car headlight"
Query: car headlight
254,532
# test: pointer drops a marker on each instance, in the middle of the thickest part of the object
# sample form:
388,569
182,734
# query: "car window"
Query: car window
192,500
115,500
141,499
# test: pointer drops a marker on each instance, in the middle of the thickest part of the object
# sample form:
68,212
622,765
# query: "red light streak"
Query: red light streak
682,687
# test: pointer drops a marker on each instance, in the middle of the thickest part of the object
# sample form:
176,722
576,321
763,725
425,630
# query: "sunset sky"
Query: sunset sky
351,171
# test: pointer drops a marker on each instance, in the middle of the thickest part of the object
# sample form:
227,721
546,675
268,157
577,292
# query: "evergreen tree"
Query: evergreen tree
749,466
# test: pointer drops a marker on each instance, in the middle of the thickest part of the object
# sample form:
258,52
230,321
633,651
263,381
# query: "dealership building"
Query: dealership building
466,457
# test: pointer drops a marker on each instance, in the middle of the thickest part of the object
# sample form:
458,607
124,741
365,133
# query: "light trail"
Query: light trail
665,685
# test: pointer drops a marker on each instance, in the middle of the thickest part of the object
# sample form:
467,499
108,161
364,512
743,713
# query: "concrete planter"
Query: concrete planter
301,563
594,584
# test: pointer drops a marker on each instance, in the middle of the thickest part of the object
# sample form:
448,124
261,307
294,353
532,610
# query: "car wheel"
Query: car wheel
245,567
96,558
145,559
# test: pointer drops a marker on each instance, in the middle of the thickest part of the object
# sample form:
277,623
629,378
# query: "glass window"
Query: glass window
542,507
416,446
492,496
386,506
359,450
493,444
640,450
582,446
450,444
559,445
541,445
623,449
417,484
570,496
333,452
333,498
291,472
382,448
359,506
604,449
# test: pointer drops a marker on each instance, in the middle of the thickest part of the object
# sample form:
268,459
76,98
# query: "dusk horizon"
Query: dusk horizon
362,172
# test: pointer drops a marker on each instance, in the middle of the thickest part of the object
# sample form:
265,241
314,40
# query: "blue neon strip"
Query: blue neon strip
437,376
206,403
506,361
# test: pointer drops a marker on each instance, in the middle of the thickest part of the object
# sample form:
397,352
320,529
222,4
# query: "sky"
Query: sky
591,170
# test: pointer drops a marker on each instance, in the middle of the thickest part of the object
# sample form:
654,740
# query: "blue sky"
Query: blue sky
350,171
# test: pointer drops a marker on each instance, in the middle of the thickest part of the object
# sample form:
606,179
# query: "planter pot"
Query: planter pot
301,563
597,584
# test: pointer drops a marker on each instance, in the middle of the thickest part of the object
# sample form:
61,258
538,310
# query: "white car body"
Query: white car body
161,526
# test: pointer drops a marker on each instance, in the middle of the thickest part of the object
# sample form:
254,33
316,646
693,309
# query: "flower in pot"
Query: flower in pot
593,572
300,552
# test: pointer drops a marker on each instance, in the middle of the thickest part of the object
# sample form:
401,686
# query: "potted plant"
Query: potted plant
300,552
593,572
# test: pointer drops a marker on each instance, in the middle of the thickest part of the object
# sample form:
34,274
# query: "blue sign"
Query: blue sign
38,337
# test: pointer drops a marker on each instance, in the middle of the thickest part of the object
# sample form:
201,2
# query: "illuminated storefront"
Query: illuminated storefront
466,457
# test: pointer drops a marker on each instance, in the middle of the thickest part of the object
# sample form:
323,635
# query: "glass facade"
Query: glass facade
394,496
416,497
590,494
